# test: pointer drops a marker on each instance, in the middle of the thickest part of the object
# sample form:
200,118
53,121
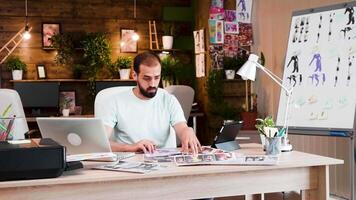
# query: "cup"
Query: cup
273,145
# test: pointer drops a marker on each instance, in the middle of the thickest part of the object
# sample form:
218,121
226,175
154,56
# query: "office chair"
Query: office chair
185,96
11,107
105,95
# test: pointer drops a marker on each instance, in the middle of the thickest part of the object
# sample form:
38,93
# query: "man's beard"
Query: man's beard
146,93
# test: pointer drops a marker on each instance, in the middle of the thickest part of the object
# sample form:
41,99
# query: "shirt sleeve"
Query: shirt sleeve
107,112
176,111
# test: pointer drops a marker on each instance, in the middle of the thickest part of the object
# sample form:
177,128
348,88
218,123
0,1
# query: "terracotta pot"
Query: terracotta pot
249,119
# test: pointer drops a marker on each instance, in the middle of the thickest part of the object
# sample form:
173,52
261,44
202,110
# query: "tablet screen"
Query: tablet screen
228,132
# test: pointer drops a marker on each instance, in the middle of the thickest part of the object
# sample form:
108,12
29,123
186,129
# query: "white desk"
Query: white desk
296,171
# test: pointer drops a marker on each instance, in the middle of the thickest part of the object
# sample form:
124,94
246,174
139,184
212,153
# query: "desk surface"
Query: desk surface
297,168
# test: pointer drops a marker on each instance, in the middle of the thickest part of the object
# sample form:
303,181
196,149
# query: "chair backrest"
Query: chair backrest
104,95
10,106
185,96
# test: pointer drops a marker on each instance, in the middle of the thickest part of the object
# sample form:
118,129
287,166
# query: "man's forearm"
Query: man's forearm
122,147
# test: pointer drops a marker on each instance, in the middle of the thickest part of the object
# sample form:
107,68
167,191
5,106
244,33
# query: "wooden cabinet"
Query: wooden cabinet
236,92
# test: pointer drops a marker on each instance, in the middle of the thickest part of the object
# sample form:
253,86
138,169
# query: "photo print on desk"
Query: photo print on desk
67,100
49,30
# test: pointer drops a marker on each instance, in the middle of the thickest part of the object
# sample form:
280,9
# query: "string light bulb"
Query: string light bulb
26,35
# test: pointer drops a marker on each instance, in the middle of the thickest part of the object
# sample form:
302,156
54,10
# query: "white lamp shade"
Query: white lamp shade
248,70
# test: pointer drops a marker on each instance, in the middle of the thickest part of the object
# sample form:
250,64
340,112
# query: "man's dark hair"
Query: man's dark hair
146,58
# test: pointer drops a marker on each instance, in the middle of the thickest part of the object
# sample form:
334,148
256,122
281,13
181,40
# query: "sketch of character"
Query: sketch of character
301,29
292,78
337,71
317,59
346,30
351,11
316,78
318,35
243,5
331,18
349,70
295,63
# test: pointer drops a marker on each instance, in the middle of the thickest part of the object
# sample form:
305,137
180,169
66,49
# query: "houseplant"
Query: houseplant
167,38
230,67
168,70
17,66
123,64
97,54
66,106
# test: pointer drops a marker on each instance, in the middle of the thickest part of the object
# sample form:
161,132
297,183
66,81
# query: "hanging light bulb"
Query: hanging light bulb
26,35
135,37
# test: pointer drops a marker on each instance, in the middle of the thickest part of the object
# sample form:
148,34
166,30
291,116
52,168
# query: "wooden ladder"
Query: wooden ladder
153,34
11,45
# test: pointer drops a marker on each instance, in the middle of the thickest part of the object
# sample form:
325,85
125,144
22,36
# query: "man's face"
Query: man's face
148,79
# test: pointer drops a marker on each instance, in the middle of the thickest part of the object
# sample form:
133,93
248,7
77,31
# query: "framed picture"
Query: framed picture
49,30
41,72
128,44
67,100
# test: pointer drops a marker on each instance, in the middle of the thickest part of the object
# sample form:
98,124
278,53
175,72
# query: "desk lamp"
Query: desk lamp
248,72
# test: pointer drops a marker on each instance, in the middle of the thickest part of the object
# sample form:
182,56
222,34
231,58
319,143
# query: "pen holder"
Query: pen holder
273,145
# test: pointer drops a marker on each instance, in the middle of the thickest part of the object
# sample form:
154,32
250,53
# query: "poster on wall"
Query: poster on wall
320,66
216,55
199,41
245,34
200,65
216,10
231,45
244,10
49,30
216,31
230,16
231,27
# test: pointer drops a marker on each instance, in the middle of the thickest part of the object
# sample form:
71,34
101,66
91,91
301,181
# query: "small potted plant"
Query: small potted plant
167,38
66,106
17,66
124,65
230,67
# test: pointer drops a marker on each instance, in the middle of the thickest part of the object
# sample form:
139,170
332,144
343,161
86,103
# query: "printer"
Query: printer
31,159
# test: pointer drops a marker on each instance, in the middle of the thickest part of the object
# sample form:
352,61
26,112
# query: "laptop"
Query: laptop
84,138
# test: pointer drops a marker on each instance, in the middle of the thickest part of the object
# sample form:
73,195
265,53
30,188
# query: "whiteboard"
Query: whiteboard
320,66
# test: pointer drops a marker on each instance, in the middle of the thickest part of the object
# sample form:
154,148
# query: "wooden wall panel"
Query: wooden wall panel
107,16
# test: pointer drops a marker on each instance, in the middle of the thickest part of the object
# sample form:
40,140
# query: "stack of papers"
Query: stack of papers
135,167
225,159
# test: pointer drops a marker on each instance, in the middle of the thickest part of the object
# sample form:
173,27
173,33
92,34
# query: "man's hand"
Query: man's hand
187,137
146,146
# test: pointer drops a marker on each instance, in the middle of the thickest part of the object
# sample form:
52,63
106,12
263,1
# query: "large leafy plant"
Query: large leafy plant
169,65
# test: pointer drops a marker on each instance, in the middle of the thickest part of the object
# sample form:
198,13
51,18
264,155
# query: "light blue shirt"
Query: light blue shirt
134,119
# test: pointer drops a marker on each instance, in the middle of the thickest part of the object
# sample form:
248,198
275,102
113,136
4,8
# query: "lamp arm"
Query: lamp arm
274,77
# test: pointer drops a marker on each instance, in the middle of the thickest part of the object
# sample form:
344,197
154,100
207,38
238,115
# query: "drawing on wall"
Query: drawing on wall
319,66
199,41
230,16
245,34
216,54
243,10
216,10
231,27
200,65
216,31
231,45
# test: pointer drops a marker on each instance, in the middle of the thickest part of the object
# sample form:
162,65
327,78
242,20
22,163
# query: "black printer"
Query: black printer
31,159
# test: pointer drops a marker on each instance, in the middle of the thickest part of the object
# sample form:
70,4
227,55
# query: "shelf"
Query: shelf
71,80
